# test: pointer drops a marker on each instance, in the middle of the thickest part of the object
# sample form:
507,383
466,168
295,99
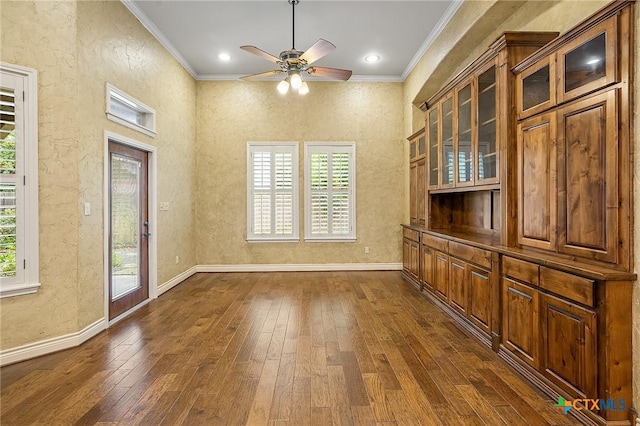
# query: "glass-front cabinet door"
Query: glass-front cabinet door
587,63
464,148
535,89
487,149
447,152
432,134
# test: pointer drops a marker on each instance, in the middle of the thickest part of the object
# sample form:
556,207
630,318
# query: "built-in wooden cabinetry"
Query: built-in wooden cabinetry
526,239
417,178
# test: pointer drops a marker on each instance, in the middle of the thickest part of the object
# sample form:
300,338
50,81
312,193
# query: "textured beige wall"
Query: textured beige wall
77,47
42,35
232,113
457,46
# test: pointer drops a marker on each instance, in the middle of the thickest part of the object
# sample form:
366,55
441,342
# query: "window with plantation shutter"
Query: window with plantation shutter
272,193
18,181
330,191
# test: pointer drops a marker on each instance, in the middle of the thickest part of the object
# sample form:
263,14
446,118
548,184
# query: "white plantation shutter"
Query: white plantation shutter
330,191
18,181
272,200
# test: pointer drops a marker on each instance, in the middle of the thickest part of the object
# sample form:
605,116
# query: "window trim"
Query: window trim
31,280
352,237
133,104
250,237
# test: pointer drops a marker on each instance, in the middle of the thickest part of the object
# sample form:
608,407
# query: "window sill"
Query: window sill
330,240
10,290
129,124
273,240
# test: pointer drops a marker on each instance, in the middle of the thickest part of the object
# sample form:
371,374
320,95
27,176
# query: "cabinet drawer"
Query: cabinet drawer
521,270
437,243
576,288
472,254
411,234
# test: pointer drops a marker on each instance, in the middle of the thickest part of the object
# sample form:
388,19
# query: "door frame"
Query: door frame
153,216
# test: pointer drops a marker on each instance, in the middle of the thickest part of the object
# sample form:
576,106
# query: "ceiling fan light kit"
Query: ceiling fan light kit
294,62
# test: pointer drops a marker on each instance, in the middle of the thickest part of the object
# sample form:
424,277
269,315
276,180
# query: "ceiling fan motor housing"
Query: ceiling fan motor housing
289,59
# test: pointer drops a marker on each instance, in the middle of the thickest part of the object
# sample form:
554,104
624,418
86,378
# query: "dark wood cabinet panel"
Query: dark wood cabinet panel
520,322
480,303
413,192
417,178
457,285
428,267
537,183
587,177
441,278
421,195
569,346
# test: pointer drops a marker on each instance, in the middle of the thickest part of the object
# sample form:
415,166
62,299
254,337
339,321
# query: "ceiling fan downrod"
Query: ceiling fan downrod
293,23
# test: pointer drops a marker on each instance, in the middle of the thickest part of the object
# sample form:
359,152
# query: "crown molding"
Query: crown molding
442,23
155,31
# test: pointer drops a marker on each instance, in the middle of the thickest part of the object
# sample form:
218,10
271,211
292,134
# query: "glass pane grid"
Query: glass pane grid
125,225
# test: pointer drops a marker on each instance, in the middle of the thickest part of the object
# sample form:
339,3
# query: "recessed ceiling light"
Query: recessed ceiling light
224,57
372,58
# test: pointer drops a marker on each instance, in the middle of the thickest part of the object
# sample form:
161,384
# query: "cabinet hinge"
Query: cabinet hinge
24,264
24,180
24,97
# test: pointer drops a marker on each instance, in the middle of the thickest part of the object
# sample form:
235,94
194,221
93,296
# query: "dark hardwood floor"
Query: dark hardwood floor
277,348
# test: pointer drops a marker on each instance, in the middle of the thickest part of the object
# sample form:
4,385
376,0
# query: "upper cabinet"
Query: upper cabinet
574,141
579,66
417,177
470,126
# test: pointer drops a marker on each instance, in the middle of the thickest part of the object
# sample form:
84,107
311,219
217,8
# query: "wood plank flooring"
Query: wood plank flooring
342,348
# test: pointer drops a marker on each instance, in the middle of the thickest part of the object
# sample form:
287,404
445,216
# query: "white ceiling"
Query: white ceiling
195,32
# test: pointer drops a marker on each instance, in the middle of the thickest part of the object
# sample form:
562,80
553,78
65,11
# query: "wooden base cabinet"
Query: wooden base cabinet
563,328
568,338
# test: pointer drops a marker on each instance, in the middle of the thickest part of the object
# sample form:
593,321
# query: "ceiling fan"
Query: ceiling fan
294,62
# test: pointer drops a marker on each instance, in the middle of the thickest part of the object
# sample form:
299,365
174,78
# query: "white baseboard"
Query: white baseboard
177,280
54,344
301,267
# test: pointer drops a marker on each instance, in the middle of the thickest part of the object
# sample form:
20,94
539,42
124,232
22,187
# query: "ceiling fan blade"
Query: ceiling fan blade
319,49
261,74
268,56
334,73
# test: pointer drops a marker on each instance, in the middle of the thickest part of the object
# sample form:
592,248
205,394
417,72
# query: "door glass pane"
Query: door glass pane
465,157
585,63
125,225
535,88
433,147
487,124
447,142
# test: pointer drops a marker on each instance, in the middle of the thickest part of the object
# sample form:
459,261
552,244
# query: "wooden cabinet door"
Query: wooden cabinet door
520,322
421,195
414,259
589,61
486,116
428,267
406,255
569,346
588,177
537,182
535,90
441,278
413,192
433,137
457,285
480,300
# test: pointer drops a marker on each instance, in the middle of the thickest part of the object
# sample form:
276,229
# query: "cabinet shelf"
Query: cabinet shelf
487,88
489,121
